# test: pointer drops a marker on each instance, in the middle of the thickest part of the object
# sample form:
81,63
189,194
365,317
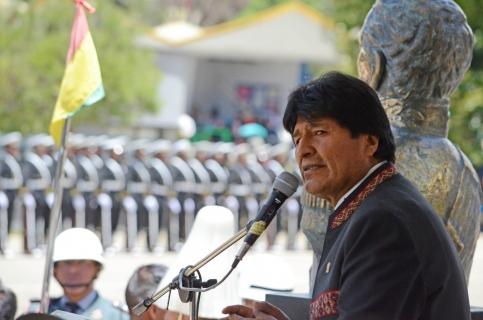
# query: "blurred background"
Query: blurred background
142,63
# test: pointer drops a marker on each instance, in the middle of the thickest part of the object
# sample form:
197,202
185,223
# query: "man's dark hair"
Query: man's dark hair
143,283
349,101
8,303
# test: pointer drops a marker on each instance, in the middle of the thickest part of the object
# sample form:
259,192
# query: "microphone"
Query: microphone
284,186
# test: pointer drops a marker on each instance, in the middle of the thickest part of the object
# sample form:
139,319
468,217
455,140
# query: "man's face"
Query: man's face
13,149
76,277
331,161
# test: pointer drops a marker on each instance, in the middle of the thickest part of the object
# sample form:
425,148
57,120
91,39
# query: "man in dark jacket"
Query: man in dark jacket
386,253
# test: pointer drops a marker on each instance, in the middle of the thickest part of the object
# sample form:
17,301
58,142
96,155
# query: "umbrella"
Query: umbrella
250,130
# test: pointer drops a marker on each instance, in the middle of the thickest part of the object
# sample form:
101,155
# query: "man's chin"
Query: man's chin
313,188
75,290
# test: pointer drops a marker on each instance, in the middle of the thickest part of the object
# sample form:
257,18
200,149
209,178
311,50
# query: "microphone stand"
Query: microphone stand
185,279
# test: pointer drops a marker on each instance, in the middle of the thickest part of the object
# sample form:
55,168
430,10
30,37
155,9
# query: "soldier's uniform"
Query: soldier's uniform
290,213
239,185
218,172
162,187
87,185
38,181
261,180
11,180
138,187
261,184
184,184
48,155
69,185
113,187
99,309
203,192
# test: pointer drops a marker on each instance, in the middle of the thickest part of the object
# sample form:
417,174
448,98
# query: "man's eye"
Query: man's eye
320,132
296,142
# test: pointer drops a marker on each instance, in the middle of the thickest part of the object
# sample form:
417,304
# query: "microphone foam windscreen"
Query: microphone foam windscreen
286,183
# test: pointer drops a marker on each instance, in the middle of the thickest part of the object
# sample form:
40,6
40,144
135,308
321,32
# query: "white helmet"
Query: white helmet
78,244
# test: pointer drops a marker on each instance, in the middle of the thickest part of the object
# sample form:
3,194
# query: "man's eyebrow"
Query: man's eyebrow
310,124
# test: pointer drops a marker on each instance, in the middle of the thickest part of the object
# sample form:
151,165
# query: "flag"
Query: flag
82,84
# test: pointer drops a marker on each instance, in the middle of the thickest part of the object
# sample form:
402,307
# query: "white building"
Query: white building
248,65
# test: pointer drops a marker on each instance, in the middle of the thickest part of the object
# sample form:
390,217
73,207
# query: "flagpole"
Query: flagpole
55,217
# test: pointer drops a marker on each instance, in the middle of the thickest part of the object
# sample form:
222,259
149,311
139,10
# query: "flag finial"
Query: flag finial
86,5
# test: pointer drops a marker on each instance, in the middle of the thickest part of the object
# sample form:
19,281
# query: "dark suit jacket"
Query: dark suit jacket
387,256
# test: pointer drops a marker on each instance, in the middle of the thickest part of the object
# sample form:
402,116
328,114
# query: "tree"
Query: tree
34,42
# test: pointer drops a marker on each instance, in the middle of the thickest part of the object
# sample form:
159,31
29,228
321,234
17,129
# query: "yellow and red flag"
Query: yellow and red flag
82,82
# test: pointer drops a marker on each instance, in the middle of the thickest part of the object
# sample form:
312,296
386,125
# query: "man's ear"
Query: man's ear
372,144
54,273
378,69
99,269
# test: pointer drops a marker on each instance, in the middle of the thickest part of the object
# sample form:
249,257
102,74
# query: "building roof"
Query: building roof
287,32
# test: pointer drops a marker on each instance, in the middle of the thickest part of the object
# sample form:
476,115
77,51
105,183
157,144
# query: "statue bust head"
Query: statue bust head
415,53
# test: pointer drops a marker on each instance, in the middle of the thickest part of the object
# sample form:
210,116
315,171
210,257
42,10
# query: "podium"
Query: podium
476,313
295,305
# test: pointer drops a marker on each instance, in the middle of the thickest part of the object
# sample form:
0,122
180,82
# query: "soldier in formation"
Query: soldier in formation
149,189
37,176
11,181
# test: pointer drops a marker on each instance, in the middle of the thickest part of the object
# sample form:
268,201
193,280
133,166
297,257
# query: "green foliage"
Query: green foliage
466,121
34,41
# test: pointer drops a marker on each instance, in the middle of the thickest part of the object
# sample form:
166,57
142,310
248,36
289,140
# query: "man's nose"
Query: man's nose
304,147
73,266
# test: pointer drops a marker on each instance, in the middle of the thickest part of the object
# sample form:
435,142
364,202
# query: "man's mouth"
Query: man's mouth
310,167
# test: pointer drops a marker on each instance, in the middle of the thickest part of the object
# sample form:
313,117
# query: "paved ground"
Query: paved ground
24,273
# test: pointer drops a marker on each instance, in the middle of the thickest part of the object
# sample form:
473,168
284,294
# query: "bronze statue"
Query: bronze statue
414,53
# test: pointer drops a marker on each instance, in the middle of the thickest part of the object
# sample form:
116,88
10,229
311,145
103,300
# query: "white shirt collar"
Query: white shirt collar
358,183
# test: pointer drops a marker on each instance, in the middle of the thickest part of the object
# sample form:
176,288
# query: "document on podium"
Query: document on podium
69,316
295,305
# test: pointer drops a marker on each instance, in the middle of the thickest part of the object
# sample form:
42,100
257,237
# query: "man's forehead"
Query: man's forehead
301,122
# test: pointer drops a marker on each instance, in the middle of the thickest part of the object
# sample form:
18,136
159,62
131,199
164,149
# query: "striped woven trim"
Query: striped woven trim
347,209
325,305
